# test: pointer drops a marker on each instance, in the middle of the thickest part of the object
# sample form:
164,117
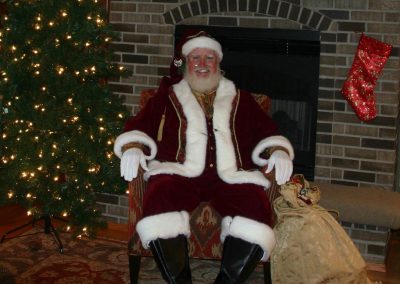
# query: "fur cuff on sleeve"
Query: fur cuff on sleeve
164,226
135,136
251,231
269,142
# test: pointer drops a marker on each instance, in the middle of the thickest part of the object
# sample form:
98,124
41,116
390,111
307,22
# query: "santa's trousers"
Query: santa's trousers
245,229
169,193
245,208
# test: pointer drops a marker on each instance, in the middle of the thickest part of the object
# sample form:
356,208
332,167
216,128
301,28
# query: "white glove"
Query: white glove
283,166
130,161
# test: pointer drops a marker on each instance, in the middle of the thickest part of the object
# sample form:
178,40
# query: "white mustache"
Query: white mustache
202,69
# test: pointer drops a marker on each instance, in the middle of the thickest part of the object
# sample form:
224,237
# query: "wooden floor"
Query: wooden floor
12,216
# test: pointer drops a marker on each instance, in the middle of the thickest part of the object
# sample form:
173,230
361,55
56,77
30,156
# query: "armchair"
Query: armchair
204,242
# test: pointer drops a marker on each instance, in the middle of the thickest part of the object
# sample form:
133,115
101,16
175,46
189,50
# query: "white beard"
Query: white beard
203,85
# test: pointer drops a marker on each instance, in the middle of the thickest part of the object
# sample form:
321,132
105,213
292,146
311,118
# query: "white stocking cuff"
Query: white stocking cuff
163,226
251,231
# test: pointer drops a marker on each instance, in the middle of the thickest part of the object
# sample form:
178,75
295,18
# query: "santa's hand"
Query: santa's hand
130,161
283,166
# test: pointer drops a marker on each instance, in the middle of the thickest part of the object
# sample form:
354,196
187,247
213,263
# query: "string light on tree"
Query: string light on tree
54,53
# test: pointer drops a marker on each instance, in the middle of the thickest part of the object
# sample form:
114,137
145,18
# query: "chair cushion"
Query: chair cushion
205,234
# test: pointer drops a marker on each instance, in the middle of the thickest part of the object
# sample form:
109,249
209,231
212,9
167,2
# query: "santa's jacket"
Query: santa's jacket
173,127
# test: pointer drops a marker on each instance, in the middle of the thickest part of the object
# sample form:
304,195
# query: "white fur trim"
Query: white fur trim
239,177
269,142
251,231
202,42
225,224
163,226
135,136
226,157
196,138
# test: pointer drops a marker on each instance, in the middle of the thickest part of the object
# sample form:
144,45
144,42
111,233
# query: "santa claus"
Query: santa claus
202,139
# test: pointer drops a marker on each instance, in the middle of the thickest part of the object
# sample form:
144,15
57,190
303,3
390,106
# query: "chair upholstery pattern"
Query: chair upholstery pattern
204,241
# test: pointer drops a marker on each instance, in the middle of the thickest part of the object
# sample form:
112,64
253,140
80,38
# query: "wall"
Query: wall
348,151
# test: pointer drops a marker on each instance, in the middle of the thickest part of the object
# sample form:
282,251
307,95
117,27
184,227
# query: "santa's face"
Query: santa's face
202,62
202,70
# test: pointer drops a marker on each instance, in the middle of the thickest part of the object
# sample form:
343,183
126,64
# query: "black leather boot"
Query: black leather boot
172,258
239,259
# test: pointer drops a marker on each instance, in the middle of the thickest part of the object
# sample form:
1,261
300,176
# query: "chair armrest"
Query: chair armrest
136,188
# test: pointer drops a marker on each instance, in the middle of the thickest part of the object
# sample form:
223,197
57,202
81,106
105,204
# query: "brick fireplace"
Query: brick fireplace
348,151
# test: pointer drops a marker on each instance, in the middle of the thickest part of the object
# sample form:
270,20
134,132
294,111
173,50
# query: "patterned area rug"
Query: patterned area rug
35,258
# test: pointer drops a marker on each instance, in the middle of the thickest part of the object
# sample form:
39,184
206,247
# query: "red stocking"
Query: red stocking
358,89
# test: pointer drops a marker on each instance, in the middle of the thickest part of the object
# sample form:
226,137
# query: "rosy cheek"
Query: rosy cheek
213,67
191,67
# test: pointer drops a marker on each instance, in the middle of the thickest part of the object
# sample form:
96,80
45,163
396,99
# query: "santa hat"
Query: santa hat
201,40
192,40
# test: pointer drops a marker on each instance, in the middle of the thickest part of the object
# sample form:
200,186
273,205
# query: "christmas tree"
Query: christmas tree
58,118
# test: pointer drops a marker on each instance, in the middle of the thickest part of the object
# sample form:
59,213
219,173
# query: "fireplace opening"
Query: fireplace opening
283,64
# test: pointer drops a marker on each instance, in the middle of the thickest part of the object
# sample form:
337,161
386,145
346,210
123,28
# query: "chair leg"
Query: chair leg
134,267
267,272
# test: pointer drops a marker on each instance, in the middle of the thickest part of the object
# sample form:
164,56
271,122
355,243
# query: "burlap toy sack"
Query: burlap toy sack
311,245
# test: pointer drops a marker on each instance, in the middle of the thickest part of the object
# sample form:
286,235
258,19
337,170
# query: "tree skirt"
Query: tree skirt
35,259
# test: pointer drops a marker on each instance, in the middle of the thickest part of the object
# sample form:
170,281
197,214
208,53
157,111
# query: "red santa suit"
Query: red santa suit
192,158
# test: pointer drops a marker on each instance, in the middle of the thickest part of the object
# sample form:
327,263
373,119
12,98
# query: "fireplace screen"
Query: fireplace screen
283,64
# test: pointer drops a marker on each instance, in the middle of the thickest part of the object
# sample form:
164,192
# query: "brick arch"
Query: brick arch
285,10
